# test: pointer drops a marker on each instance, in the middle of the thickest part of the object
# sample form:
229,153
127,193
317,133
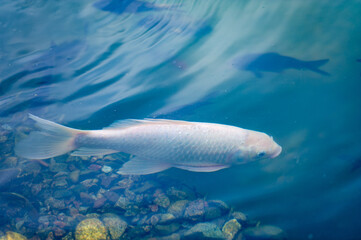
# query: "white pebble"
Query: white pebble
106,169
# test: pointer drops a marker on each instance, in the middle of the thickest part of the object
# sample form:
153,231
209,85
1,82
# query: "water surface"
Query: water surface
84,66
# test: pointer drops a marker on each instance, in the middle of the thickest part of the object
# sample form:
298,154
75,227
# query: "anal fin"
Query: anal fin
92,152
139,166
210,168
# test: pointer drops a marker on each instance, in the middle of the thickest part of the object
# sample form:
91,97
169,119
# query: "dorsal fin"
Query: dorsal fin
132,122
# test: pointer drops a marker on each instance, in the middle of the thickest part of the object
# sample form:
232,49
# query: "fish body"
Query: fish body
274,62
157,144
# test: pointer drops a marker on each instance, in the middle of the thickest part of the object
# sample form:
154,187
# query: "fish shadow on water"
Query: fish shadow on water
45,67
276,63
54,57
127,6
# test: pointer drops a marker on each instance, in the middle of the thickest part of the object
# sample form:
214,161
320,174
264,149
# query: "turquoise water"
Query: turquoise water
85,67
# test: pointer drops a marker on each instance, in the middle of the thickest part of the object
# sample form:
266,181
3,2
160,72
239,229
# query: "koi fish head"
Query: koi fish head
256,146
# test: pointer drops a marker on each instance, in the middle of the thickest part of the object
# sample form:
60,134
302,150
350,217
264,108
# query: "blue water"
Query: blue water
287,68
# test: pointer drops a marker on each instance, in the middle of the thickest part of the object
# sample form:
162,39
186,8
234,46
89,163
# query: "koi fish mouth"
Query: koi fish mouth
279,150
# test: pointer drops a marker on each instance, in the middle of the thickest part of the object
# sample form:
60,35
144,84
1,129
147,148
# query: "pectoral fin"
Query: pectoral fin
211,168
139,166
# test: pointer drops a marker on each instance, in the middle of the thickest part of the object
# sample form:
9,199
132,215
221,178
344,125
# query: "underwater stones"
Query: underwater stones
125,183
177,208
174,236
57,167
146,186
166,218
88,183
111,196
204,231
55,203
69,236
60,183
10,162
122,203
161,199
106,180
219,204
129,195
195,210
62,193
106,169
167,229
74,176
3,138
36,188
266,232
115,225
6,127
240,216
87,198
91,229
176,193
215,209
99,202
13,236
231,228
94,167
58,232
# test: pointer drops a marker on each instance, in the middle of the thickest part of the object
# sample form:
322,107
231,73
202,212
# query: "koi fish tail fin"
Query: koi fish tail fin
52,140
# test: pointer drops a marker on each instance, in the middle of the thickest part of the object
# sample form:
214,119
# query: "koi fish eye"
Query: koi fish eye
261,154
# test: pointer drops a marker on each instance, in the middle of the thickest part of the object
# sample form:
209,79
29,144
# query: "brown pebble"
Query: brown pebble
99,202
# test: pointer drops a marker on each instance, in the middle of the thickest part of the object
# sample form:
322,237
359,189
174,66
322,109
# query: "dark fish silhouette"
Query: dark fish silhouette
126,6
274,62
58,55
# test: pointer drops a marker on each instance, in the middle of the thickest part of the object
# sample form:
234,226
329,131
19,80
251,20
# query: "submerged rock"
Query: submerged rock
166,218
174,236
161,200
240,216
60,183
231,228
88,183
115,225
204,231
10,162
167,229
62,193
74,176
195,210
57,167
178,207
106,169
55,203
91,229
13,236
176,193
122,203
266,232
215,209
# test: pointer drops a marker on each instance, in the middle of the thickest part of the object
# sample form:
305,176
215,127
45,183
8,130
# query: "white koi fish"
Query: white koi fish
157,144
